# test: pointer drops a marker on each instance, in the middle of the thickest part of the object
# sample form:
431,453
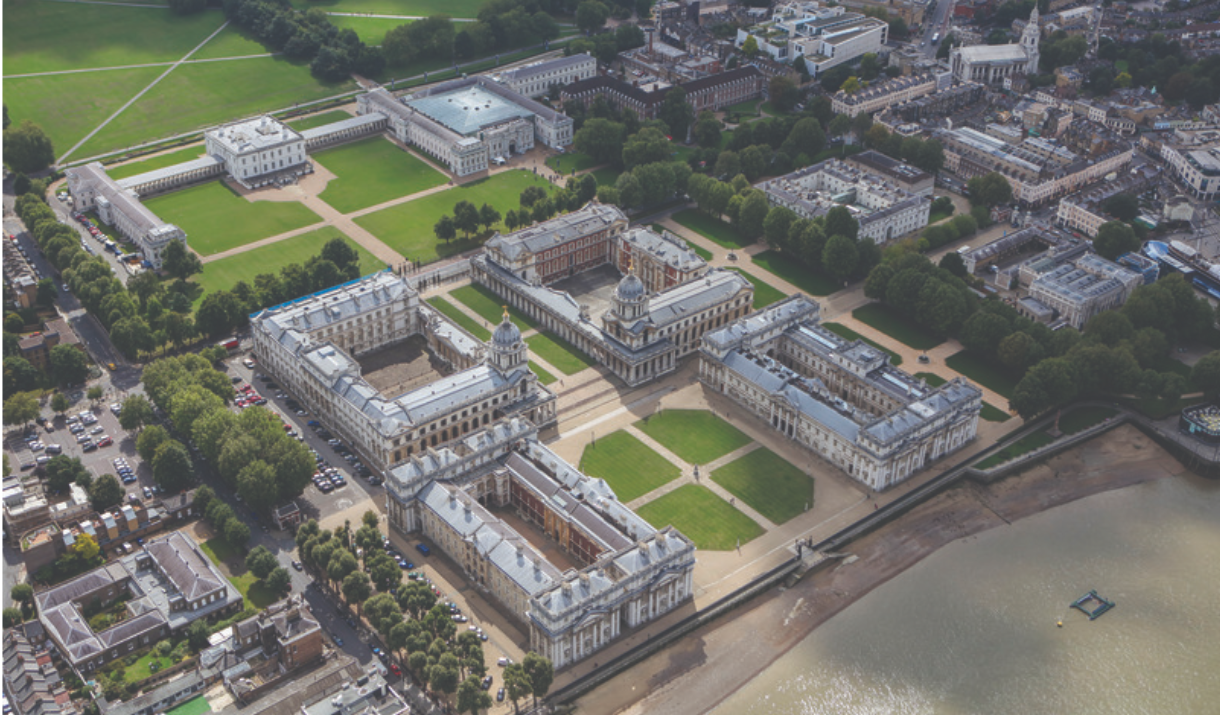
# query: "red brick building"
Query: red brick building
712,93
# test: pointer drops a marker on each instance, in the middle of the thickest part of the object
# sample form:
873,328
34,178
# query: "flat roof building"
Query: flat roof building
257,151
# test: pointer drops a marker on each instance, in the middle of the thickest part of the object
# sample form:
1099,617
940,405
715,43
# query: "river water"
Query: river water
972,628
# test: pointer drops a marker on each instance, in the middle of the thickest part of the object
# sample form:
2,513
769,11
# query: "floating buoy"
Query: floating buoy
1059,624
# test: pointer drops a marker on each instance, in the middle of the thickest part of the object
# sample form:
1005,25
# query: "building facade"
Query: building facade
838,398
1076,290
255,152
93,189
537,79
824,36
992,64
713,93
882,95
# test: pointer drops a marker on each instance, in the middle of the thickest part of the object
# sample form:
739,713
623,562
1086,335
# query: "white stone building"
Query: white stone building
1196,166
884,210
257,151
1076,290
627,573
882,95
537,79
825,36
992,64
93,189
309,345
841,399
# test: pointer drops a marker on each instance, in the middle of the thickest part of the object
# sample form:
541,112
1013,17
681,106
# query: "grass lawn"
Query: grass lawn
1070,423
317,120
750,107
490,306
845,332
407,228
991,413
225,273
764,293
606,176
711,228
140,669
795,273
255,593
702,517
1158,408
883,318
937,216
559,353
372,171
931,378
1028,443
372,30
696,436
987,374
768,483
572,161
544,377
628,465
699,251
52,36
453,8
233,41
216,219
155,162
205,94
69,106
454,313
194,706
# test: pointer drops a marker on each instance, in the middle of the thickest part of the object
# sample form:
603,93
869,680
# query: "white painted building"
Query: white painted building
537,79
257,151
120,207
825,36
992,64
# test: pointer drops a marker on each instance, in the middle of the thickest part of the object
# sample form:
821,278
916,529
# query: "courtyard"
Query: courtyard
217,218
402,367
372,171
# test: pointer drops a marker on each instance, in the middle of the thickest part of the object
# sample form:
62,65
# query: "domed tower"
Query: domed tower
630,299
1029,41
507,351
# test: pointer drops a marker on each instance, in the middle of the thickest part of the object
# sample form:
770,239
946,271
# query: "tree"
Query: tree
197,635
237,533
851,85
784,93
601,139
60,403
342,562
279,580
69,366
150,440
776,225
1048,384
532,195
62,471
1206,373
105,492
840,257
132,336
807,137
840,222
754,210
27,148
516,683
591,15
1115,238
22,593
444,228
989,190
356,588
218,313
471,698
95,393
180,261
1123,207
340,253
952,262
135,413
676,112
707,130
261,562
20,408
749,48
384,571
12,617
256,485
540,672
466,217
488,215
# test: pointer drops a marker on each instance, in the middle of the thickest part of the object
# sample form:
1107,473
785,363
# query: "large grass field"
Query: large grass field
572,161
69,106
712,228
883,318
407,228
982,371
453,8
204,94
320,119
372,171
628,465
53,36
561,354
702,517
490,306
696,436
845,332
155,162
251,588
764,293
768,483
454,313
372,30
216,219
795,273
225,273
233,41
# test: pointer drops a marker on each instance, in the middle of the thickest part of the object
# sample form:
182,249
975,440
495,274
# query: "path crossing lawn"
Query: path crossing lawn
194,706
696,436
628,465
561,354
407,227
454,313
55,36
372,171
984,372
233,41
216,219
422,8
884,318
795,273
704,518
544,377
317,120
711,228
254,591
845,332
225,273
764,293
768,483
572,161
490,306
160,161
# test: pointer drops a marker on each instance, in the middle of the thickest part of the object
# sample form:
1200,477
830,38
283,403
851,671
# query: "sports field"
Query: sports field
628,465
225,273
696,436
216,219
559,353
702,517
490,306
423,8
407,228
768,483
317,120
155,162
454,313
372,171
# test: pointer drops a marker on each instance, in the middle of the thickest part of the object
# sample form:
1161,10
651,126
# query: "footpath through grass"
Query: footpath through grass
559,353
845,332
696,436
764,293
216,219
770,484
982,371
628,465
454,313
490,306
711,228
372,171
225,273
1074,421
883,318
704,518
796,273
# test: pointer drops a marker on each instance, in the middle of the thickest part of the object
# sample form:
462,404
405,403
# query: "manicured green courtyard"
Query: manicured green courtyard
764,293
372,171
983,371
490,306
628,465
407,227
704,518
561,354
544,377
194,706
795,273
160,161
883,318
696,436
216,219
771,485
454,313
226,272
711,228
251,588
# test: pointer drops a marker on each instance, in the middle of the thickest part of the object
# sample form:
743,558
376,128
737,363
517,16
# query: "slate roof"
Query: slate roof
685,300
81,586
589,219
184,566
557,64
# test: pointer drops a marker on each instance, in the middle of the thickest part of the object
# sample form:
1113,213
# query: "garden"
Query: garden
628,465
771,485
559,353
696,436
704,518
215,218
712,228
372,171
490,307
795,272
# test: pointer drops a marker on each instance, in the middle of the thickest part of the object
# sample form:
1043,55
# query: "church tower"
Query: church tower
508,351
1029,41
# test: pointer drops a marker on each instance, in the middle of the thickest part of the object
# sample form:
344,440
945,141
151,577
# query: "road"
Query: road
938,23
